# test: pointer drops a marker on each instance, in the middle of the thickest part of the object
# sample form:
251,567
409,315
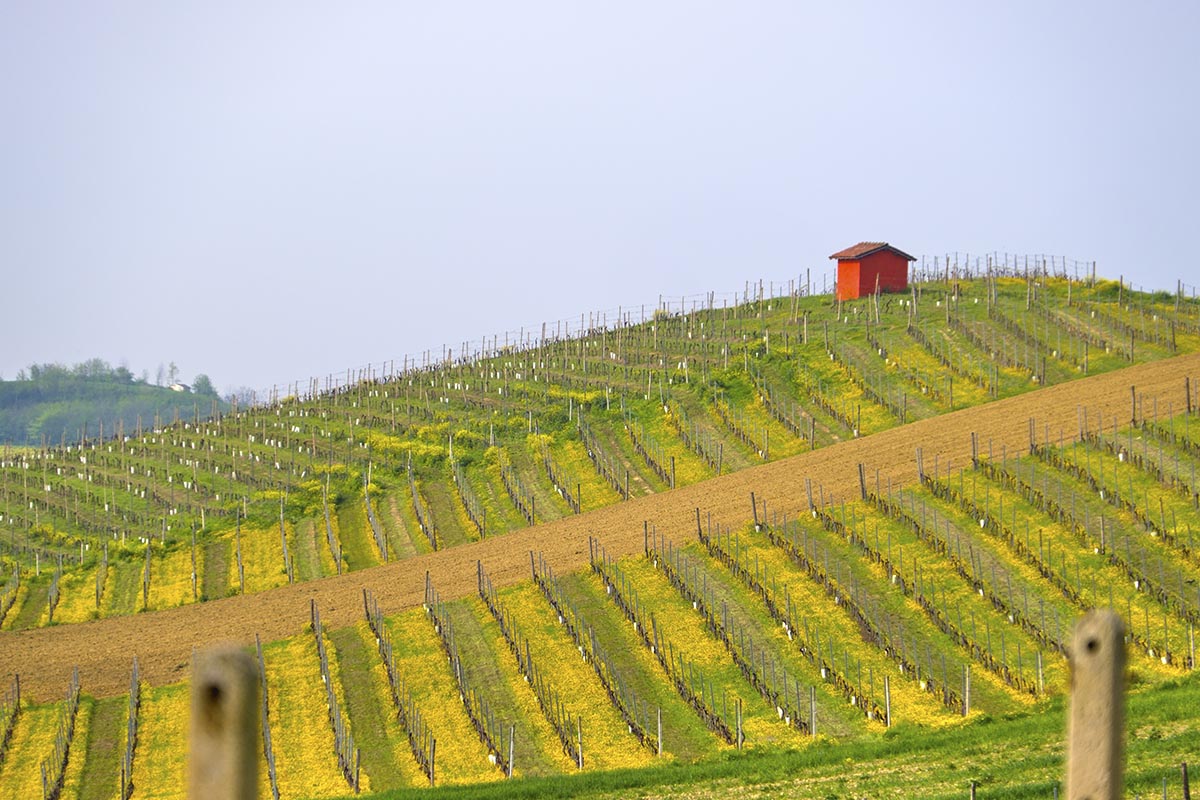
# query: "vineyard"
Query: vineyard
666,538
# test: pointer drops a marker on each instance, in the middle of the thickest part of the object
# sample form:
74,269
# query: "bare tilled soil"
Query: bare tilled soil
163,641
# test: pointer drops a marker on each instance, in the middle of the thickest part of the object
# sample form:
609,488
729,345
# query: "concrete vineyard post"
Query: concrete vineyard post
223,754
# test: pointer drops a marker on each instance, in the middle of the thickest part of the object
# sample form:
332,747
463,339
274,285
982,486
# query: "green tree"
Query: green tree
202,385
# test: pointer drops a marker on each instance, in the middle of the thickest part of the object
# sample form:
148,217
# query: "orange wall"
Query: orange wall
847,280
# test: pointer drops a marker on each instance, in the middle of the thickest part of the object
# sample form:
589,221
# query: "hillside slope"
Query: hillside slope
164,640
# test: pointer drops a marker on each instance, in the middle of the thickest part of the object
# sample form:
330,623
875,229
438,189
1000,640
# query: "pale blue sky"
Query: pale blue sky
271,191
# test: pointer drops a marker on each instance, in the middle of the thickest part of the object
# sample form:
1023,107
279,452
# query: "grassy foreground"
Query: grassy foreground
1015,757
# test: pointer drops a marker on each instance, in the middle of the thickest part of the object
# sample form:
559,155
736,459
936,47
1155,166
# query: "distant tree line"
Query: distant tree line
49,402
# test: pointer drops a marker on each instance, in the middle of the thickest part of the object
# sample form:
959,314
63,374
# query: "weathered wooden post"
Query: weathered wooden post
660,733
1096,721
223,748
887,701
512,735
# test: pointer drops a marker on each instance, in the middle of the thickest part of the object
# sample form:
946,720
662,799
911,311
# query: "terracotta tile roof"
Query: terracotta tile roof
865,249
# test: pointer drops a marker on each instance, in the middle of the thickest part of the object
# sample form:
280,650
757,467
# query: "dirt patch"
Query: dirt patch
163,641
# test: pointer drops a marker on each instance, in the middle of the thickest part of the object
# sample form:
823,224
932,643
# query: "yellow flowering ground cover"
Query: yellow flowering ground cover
685,737
548,505
160,766
461,518
683,627
821,374
836,717
1095,574
749,413
607,743
262,559
76,598
689,467
570,454
461,757
905,355
100,750
11,617
305,761
832,623
324,554
963,605
32,741
72,779
171,578
502,516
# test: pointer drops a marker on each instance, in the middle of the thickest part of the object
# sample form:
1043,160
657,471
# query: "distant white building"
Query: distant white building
180,387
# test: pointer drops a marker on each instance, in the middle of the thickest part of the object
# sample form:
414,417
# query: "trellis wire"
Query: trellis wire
682,572
54,768
728,554
522,499
888,631
424,520
131,731
478,709
476,512
343,740
558,480
569,727
10,709
268,747
606,467
682,672
990,522
633,710
376,530
420,736
335,547
915,585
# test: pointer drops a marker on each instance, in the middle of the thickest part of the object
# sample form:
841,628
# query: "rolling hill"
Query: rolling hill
770,524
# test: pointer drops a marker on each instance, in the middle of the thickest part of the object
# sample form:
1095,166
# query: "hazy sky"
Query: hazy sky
266,192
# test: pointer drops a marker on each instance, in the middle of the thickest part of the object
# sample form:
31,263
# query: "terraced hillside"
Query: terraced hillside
920,578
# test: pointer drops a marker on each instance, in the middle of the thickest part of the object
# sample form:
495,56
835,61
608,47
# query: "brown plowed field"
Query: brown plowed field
163,641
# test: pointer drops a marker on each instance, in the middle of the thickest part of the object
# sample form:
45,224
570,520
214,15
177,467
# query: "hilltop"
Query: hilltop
53,404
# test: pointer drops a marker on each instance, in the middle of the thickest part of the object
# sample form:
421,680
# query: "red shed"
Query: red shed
869,264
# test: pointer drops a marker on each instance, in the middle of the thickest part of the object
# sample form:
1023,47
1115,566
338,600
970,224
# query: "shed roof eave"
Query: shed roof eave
864,249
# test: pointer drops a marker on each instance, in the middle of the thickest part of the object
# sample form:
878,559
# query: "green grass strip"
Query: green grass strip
358,546
1017,757
376,732
684,735
100,779
33,606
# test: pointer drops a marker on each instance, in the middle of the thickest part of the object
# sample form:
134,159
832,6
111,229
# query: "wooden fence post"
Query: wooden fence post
223,750
1096,721
660,734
